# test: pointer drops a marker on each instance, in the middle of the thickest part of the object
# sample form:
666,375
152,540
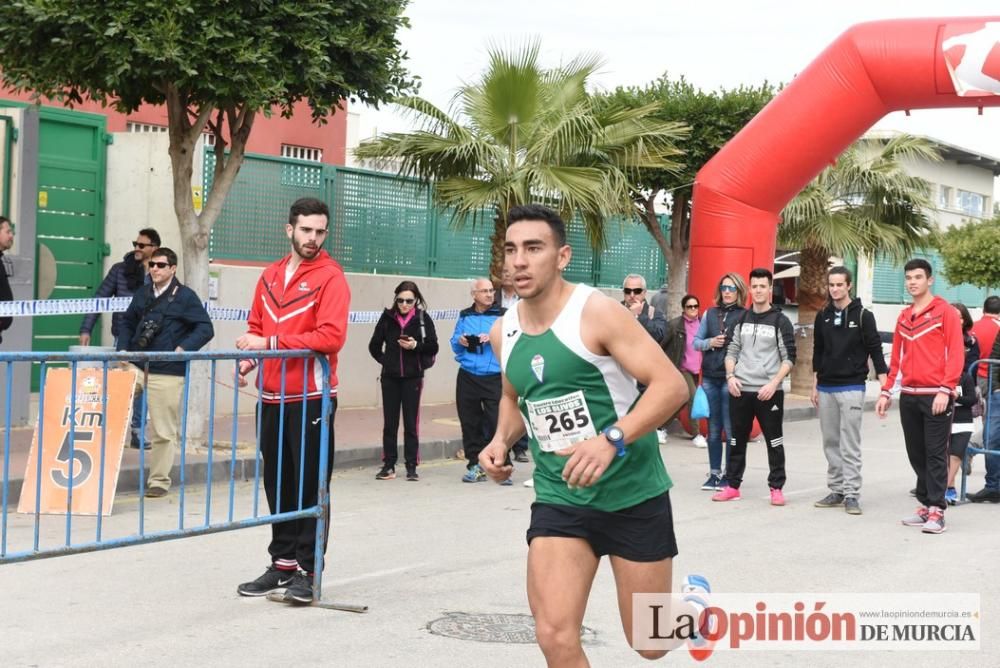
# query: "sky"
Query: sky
714,43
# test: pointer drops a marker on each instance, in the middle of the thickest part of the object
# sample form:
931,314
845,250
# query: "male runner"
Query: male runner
570,359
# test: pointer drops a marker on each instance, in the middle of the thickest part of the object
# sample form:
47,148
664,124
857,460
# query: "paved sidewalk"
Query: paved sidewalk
419,553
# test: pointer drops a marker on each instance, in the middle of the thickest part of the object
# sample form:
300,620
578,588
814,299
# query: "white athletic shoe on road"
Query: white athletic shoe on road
699,441
661,436
530,482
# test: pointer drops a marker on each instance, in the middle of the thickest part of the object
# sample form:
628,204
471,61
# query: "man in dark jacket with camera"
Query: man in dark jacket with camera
845,338
164,316
477,391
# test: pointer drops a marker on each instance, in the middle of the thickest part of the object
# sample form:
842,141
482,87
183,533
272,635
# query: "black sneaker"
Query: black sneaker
521,456
387,473
831,500
273,579
985,495
300,591
411,475
851,506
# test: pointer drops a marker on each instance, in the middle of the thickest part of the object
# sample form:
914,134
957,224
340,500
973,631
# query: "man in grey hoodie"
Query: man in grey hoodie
761,353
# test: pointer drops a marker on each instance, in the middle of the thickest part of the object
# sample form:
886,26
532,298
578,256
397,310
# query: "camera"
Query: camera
147,332
473,343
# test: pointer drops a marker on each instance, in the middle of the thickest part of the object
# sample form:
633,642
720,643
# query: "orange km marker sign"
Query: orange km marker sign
80,464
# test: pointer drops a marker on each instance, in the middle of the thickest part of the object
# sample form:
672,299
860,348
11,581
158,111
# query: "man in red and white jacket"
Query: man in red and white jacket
301,303
928,351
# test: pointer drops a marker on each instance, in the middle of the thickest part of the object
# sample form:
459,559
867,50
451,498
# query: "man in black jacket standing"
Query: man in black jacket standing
163,316
845,338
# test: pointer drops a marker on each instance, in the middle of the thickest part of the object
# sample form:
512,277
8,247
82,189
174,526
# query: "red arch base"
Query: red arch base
869,71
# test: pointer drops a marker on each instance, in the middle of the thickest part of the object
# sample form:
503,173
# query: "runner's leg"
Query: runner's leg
637,577
560,574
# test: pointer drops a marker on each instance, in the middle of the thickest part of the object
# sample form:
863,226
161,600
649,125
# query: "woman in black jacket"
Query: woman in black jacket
961,426
404,343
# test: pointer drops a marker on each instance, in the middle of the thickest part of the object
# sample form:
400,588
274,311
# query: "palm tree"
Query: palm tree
524,134
864,205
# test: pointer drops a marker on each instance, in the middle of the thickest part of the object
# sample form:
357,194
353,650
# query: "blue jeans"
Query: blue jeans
717,391
993,461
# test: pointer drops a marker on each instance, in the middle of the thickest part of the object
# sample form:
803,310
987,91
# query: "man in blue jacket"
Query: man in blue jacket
477,393
163,316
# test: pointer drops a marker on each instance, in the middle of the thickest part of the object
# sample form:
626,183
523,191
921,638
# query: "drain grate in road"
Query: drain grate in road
500,628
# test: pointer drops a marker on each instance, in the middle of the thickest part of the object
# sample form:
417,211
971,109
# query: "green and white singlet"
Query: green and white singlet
567,394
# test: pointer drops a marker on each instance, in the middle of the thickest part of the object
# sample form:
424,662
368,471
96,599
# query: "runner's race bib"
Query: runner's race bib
560,422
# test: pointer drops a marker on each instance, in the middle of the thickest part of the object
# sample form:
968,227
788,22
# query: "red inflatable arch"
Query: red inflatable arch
869,71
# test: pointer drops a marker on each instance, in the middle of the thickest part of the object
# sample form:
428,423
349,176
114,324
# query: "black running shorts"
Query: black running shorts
643,532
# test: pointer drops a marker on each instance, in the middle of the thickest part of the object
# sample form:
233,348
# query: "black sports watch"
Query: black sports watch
616,437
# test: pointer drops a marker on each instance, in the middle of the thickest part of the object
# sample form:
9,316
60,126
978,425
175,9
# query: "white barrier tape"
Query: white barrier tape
32,307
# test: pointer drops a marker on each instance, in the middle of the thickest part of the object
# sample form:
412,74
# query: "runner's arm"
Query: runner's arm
615,331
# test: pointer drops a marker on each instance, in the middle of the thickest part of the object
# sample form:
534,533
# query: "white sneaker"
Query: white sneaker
661,436
699,441
530,482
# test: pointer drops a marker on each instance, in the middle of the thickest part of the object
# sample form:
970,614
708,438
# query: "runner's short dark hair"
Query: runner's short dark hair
541,213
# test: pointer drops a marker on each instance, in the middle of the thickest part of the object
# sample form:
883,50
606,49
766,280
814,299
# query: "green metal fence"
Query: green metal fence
385,224
888,285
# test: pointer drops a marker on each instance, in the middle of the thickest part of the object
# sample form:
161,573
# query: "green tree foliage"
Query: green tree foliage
971,253
866,204
215,65
713,117
523,134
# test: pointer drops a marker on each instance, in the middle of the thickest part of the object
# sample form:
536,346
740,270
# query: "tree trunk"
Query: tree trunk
496,248
812,296
652,225
194,228
680,235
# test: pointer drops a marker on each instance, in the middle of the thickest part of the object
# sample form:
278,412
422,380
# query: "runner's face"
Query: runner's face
760,291
308,235
533,257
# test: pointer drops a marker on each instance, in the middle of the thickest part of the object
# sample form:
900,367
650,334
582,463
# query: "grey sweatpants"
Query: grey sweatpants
840,420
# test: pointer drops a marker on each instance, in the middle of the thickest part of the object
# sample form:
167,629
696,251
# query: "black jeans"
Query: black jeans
927,436
295,539
742,411
478,402
401,394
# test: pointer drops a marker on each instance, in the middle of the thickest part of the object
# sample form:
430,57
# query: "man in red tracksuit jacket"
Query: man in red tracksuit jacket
301,303
927,349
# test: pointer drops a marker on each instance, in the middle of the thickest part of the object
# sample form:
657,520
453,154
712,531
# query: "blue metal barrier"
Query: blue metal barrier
106,360
991,420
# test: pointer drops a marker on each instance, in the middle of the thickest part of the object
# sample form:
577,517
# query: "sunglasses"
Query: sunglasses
727,288
159,265
633,291
694,306
401,300
140,246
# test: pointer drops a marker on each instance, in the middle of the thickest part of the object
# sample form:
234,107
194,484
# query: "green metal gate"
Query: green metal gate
72,156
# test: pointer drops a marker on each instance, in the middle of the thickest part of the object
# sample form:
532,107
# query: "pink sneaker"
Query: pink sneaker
777,498
727,494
